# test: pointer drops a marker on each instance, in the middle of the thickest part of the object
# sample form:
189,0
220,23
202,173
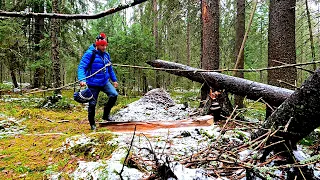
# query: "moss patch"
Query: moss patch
33,155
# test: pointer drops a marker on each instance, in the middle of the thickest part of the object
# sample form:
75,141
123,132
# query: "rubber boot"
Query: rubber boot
91,114
107,108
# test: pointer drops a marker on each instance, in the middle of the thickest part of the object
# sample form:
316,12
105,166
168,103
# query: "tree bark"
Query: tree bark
156,38
38,36
71,16
14,78
299,113
281,46
13,65
250,89
210,34
55,29
188,33
210,52
240,32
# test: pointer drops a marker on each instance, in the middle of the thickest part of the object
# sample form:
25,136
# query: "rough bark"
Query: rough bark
239,86
71,16
210,34
13,67
299,113
281,46
55,29
38,36
188,33
156,38
14,78
210,53
240,31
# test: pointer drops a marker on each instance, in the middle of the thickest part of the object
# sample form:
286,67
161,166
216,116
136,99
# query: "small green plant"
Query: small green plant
23,169
5,87
56,102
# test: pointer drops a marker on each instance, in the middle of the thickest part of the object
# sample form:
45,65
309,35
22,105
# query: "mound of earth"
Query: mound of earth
155,105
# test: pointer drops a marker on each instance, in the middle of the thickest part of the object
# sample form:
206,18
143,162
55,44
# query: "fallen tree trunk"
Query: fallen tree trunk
252,90
299,114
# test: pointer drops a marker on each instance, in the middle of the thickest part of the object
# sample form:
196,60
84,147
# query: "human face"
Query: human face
102,48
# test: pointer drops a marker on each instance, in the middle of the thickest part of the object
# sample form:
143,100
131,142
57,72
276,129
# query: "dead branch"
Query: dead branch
134,132
70,16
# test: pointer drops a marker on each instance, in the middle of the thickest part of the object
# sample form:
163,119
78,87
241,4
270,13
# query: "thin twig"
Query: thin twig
218,138
134,132
296,67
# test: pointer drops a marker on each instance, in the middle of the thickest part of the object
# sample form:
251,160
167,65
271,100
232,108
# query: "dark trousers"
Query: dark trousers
95,90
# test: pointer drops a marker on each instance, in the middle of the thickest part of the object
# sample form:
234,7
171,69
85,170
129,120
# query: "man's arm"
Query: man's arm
82,68
112,74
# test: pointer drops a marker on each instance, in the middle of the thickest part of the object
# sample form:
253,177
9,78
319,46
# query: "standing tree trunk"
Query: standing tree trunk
14,78
156,38
281,46
210,39
210,34
2,7
2,70
13,66
240,31
311,36
188,35
55,30
188,31
210,56
38,36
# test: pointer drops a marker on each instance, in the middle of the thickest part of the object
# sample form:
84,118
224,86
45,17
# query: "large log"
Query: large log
299,114
239,86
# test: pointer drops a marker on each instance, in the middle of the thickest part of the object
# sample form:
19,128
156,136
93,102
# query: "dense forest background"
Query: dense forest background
163,29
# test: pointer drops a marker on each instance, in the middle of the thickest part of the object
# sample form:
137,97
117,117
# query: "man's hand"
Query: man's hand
83,83
115,84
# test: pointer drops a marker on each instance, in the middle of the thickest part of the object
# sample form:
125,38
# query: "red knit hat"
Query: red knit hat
101,40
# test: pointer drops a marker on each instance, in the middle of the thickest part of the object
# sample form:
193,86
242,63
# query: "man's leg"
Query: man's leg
112,94
92,106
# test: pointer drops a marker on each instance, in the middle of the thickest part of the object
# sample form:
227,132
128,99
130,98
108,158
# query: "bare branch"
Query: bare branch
70,16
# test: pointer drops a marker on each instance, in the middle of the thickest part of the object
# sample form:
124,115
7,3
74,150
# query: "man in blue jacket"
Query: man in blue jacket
100,81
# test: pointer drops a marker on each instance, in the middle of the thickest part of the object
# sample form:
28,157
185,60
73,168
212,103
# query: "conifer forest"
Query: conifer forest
160,89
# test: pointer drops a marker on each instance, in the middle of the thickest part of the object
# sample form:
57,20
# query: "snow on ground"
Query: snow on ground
10,126
156,105
183,141
169,145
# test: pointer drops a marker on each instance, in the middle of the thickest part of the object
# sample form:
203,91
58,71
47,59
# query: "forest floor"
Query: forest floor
40,140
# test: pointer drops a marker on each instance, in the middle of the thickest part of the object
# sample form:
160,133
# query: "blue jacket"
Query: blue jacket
102,77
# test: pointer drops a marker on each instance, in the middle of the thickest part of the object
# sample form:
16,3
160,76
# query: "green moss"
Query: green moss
192,98
35,155
5,87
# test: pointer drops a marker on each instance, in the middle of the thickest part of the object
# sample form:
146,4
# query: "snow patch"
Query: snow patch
156,105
